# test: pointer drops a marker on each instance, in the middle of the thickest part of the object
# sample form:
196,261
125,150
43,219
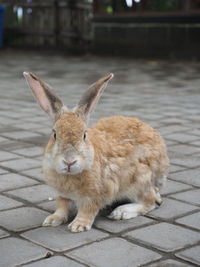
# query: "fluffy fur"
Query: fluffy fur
119,157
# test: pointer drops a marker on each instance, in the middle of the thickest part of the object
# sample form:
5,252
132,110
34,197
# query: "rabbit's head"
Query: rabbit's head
69,150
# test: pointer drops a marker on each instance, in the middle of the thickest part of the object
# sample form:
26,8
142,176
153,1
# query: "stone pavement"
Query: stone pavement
166,95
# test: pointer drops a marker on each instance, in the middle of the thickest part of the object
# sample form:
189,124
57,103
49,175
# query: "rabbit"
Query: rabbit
119,157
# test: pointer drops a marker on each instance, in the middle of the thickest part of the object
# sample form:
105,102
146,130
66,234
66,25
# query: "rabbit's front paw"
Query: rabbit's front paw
54,220
80,225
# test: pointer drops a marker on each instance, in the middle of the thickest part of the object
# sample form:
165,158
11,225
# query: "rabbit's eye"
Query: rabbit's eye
84,136
54,134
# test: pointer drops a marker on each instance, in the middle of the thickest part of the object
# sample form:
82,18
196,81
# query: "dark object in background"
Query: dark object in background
1,25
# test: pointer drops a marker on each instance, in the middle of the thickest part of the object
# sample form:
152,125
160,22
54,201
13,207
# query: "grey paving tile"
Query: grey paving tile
35,173
44,131
20,164
191,196
164,236
13,145
182,137
60,239
29,126
30,151
190,162
16,251
12,180
187,176
169,263
50,206
167,130
57,261
34,193
175,168
20,135
196,143
22,218
7,203
2,171
171,209
183,149
3,233
114,252
113,226
191,254
192,220
3,139
7,156
172,186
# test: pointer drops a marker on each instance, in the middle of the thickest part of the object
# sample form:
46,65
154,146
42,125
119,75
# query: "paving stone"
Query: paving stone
171,209
57,261
16,251
175,168
20,164
39,140
13,145
35,173
170,143
183,149
2,171
12,180
40,158
192,220
192,196
50,206
115,252
22,218
3,233
164,236
118,226
182,137
30,151
34,193
190,162
191,254
44,131
196,143
172,187
29,126
7,156
20,135
169,263
187,176
3,139
60,239
172,129
7,203
194,132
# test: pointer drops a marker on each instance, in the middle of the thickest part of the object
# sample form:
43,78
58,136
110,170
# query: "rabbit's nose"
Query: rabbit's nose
69,164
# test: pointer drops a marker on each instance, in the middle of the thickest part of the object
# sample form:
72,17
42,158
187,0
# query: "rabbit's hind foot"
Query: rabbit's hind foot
128,211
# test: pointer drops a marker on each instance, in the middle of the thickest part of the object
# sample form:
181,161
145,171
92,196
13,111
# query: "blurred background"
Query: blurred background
138,28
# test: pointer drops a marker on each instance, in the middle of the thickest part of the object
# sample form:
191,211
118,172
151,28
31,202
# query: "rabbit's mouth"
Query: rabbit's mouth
70,170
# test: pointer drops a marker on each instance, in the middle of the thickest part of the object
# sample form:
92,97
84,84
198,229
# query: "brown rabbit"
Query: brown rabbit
119,157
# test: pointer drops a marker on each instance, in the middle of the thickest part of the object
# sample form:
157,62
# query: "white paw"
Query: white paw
79,226
124,212
53,220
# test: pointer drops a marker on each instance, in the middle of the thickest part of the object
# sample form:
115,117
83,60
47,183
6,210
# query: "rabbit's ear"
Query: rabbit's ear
90,98
48,101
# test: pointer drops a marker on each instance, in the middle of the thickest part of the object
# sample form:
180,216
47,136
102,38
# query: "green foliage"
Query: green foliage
163,5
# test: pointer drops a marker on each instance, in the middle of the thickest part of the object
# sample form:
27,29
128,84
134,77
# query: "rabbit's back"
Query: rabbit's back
130,145
126,132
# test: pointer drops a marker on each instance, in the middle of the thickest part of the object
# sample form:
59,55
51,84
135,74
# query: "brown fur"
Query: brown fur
133,146
128,160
